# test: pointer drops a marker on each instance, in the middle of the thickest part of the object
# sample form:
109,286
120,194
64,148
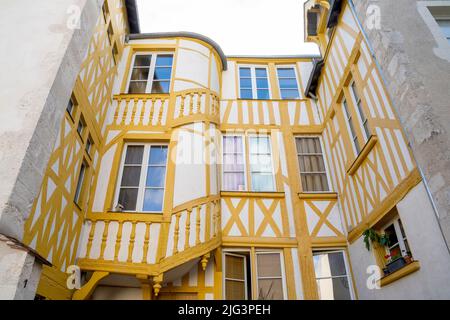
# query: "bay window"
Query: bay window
142,178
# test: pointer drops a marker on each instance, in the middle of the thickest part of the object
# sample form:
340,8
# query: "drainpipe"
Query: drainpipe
372,53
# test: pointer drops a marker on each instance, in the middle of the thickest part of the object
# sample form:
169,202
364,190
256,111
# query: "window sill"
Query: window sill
318,195
351,170
252,194
142,95
400,273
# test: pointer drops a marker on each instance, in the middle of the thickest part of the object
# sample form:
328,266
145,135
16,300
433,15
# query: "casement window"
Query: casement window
260,163
80,183
349,119
253,82
312,165
397,246
332,276
270,278
89,144
362,115
151,73
81,127
142,178
287,81
236,280
233,163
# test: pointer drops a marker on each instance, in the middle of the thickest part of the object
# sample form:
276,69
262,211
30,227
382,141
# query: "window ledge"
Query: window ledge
318,195
400,273
252,194
362,155
141,95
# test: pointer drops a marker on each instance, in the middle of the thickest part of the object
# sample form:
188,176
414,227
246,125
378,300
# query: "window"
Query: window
81,127
80,183
269,281
312,166
89,144
70,108
362,115
261,164
444,24
348,117
151,73
254,83
333,282
269,276
235,276
287,81
142,179
234,165
397,246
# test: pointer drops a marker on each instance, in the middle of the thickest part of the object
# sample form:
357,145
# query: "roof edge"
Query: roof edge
133,16
183,34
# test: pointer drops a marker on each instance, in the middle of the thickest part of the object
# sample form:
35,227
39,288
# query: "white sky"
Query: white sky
240,27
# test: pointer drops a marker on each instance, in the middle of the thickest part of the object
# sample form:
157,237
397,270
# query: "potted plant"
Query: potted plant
395,264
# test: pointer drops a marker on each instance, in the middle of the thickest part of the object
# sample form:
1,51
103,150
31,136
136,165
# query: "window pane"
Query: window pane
160,86
290,94
162,73
134,155
334,289
234,267
153,199
246,83
244,72
137,87
261,163
234,181
269,264
390,232
142,60
262,83
259,145
128,197
286,72
445,27
232,144
270,289
158,155
156,177
131,176
235,290
262,182
288,83
261,72
139,74
164,60
263,94
246,94
329,264
80,183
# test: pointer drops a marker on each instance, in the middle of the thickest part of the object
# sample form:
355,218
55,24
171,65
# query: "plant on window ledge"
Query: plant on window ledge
370,235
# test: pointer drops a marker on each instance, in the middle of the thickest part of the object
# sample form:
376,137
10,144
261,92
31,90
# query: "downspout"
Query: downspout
383,79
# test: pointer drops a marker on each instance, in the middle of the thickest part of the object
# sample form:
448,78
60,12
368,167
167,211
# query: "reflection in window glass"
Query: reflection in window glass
151,73
261,164
269,274
288,83
233,163
331,276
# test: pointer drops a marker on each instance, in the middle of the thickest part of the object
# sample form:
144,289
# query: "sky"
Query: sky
240,27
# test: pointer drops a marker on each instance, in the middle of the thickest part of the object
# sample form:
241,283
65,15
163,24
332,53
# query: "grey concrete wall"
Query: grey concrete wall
432,280
41,56
412,54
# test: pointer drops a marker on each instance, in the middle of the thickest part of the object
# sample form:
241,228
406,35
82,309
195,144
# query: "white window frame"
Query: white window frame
253,79
143,176
283,274
289,66
224,278
325,162
398,233
245,160
347,268
271,161
363,120
151,71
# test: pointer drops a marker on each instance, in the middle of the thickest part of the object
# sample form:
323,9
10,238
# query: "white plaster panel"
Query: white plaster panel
103,179
229,81
193,66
